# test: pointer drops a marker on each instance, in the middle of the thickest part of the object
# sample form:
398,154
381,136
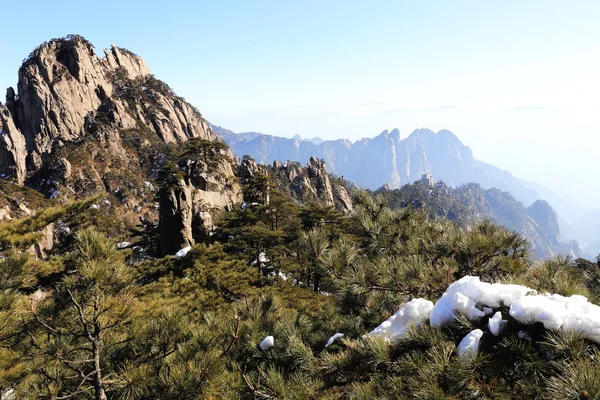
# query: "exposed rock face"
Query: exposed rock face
248,169
313,183
545,217
316,171
63,86
82,124
185,208
427,179
342,199
12,147
175,222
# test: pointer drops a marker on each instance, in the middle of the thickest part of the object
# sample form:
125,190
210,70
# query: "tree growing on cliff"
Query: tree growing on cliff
209,152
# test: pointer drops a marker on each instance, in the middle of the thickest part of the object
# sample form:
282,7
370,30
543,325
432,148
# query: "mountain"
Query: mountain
82,126
386,158
390,159
470,203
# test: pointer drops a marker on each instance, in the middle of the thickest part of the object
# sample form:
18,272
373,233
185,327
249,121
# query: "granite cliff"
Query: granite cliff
81,125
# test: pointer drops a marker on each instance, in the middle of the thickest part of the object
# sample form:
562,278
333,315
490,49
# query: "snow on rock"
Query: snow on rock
469,346
557,312
334,338
472,298
183,252
267,343
496,324
122,245
412,313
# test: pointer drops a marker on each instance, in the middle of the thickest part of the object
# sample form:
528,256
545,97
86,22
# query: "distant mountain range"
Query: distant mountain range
385,159
390,159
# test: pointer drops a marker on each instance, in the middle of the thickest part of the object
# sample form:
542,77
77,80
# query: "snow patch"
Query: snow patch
469,346
267,343
524,336
469,296
9,395
413,313
496,324
183,252
334,338
559,313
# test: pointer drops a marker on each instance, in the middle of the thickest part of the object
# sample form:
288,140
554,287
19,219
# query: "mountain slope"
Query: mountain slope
470,203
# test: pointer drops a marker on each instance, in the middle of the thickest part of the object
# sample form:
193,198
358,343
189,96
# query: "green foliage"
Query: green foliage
89,322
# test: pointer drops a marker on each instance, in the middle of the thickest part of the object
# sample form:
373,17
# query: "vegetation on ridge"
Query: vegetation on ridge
108,326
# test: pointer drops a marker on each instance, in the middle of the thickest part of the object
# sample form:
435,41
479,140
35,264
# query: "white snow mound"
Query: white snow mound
334,338
469,346
183,252
473,299
496,324
267,343
559,313
412,313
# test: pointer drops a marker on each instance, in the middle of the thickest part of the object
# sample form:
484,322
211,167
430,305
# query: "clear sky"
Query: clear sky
517,81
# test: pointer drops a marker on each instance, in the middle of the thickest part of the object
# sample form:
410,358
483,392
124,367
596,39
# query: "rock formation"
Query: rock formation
80,125
65,90
313,183
185,207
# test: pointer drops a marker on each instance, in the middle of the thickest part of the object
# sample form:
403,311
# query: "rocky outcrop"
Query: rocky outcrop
313,183
80,124
342,199
65,91
546,219
175,223
317,173
13,150
186,207
427,179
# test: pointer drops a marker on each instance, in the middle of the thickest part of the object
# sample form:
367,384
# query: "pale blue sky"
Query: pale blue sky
521,76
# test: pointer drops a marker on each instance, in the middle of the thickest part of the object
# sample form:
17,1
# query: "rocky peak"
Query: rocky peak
545,216
427,179
318,172
248,169
65,90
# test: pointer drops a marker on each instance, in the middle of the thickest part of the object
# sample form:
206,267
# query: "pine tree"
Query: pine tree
84,322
